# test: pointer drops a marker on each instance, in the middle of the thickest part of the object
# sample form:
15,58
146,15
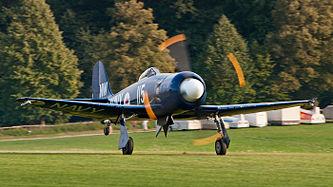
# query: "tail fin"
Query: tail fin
100,83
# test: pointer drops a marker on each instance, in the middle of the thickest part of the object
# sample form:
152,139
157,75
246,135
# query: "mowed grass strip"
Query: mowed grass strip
289,139
271,156
165,170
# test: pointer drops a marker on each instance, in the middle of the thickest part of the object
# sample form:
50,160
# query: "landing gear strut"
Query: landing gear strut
125,143
221,145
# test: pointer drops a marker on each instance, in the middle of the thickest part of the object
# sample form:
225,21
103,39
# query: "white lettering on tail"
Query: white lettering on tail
103,89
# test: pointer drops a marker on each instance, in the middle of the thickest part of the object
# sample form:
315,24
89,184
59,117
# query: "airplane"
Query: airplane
164,97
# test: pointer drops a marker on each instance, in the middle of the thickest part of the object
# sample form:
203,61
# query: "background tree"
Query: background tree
293,61
87,14
303,29
325,97
195,19
90,49
132,45
218,72
34,62
82,22
252,19
265,82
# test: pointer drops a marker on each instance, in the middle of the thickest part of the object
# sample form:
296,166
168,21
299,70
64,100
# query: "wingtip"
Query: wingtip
21,100
312,101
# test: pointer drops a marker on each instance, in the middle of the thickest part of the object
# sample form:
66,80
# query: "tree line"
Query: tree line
48,48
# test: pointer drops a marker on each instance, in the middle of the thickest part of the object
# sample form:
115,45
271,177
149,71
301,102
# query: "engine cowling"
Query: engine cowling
182,91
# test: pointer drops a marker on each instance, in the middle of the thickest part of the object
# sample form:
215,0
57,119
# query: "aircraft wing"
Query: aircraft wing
86,108
204,111
99,110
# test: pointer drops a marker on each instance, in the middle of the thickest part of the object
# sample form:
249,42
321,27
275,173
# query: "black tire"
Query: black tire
128,150
220,147
106,130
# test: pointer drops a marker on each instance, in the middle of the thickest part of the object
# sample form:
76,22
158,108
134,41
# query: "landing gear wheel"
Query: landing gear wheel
220,147
106,130
128,150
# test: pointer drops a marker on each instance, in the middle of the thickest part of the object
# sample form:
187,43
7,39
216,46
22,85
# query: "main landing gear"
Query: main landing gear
128,149
125,143
222,144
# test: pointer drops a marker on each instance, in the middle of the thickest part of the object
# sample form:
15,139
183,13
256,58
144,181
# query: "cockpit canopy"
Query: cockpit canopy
152,71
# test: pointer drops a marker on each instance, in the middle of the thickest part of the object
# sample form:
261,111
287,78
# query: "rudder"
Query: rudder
100,84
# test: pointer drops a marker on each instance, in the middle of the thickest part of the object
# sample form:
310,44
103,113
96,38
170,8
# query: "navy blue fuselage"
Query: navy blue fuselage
163,91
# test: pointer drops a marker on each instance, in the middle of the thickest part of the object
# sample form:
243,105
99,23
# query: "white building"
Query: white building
258,119
286,116
328,112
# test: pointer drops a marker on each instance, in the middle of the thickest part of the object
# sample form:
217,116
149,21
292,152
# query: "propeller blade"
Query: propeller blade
177,50
238,69
170,41
148,108
205,141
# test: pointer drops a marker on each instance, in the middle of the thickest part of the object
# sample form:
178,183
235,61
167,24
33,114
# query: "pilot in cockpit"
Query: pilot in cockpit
149,72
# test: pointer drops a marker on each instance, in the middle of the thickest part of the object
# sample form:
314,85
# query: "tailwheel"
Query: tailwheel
107,128
128,149
220,147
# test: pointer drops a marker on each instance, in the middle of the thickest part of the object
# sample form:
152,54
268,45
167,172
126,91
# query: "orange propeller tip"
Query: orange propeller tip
172,40
238,69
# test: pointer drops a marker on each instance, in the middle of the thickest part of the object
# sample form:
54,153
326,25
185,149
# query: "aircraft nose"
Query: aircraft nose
191,89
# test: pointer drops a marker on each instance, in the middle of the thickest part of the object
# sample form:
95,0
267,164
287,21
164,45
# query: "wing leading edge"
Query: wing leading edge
87,108
99,110
204,111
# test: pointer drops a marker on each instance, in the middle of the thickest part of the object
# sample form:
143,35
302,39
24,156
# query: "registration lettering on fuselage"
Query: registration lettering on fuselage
139,94
75,108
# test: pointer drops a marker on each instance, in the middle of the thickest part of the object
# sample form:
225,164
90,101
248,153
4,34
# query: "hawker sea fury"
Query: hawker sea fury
158,96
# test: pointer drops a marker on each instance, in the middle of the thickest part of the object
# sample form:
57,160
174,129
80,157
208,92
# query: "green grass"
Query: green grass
61,128
289,139
49,129
164,170
271,156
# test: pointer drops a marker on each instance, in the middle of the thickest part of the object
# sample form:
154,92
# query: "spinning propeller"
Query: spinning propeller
241,80
179,52
208,140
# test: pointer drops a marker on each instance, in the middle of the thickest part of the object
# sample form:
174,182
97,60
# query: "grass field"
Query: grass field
271,156
33,130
